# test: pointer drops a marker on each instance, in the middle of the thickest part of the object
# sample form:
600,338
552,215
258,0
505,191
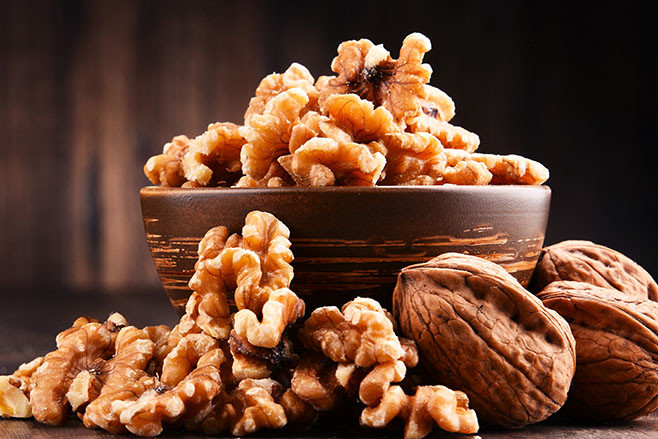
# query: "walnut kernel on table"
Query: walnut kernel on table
248,408
370,372
430,405
118,377
361,333
186,394
123,377
480,331
314,381
77,351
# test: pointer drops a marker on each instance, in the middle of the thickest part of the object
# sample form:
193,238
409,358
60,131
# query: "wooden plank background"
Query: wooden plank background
91,89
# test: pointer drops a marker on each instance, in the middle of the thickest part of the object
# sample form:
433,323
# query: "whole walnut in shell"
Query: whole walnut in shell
584,261
616,350
479,331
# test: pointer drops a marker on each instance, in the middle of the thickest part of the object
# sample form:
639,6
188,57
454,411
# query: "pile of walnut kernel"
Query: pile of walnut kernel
222,373
376,122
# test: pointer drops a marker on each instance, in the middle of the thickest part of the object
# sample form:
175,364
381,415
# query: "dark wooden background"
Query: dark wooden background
90,89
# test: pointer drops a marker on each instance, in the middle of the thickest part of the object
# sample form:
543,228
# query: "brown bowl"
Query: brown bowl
350,241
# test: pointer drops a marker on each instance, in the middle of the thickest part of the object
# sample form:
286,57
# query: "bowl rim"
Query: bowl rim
447,188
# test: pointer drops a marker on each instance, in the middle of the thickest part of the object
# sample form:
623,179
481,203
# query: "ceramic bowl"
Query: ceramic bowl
352,241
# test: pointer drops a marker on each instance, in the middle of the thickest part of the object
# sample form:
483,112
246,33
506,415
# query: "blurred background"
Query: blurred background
91,89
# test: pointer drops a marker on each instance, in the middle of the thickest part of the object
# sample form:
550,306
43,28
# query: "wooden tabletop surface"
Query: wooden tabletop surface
28,328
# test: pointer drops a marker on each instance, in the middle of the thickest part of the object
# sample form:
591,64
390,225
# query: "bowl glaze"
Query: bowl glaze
350,241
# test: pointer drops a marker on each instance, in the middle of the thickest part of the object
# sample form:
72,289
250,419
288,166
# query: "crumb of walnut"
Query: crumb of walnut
314,381
296,76
166,169
268,134
14,403
370,72
325,162
472,168
413,158
431,405
122,378
163,404
281,309
77,350
215,155
361,333
23,376
114,323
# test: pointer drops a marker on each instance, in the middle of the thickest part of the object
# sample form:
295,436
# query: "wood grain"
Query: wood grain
91,89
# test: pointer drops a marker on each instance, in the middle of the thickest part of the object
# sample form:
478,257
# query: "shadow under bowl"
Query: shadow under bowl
352,241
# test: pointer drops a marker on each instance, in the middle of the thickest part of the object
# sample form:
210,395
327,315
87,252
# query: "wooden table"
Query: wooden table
29,323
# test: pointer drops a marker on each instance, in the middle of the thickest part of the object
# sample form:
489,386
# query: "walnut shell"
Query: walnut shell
584,261
616,350
479,331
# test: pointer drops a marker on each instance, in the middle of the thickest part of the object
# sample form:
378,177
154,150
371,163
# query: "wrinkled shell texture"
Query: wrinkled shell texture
617,350
335,131
584,261
479,331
